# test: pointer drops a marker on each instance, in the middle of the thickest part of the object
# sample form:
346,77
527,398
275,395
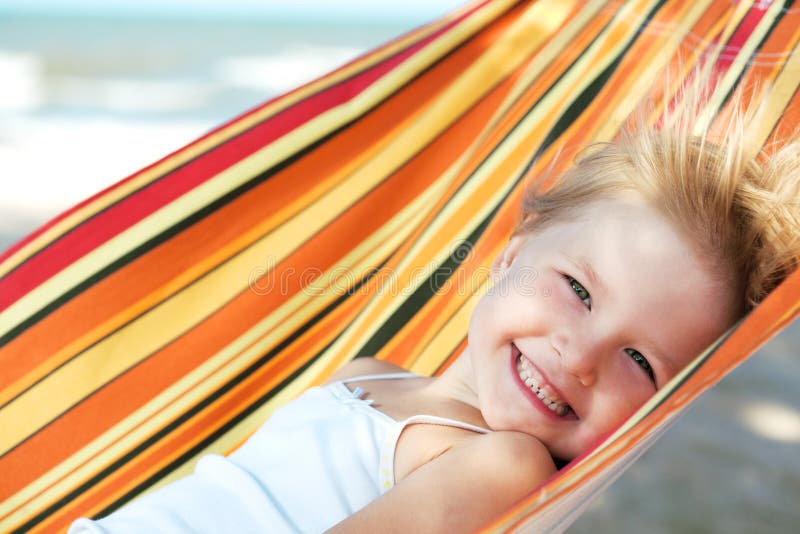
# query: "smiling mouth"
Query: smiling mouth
556,405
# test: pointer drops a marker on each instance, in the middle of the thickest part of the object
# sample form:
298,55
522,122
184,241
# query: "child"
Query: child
640,256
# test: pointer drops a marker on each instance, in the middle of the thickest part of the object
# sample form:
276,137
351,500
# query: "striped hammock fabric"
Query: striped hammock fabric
166,317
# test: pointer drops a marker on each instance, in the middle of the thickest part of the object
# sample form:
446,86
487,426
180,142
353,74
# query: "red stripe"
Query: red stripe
741,35
109,223
729,53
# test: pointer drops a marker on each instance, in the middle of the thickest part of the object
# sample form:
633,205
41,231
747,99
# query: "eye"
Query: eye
580,291
643,363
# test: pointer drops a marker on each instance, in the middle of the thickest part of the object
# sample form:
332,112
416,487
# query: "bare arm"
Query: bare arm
459,491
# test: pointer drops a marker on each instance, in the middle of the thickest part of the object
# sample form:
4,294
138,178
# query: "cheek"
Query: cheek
606,421
623,398
487,312
479,319
521,305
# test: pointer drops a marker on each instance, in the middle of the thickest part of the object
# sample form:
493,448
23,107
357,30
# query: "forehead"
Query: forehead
648,282
626,225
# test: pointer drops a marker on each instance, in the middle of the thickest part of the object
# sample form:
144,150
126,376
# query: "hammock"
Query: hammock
166,317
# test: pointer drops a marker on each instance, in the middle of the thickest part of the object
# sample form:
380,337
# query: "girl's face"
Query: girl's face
590,319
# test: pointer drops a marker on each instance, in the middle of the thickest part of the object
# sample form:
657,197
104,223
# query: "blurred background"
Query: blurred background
91,91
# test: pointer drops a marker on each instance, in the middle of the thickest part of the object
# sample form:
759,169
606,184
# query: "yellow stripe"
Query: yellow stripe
218,369
597,57
409,142
446,339
782,91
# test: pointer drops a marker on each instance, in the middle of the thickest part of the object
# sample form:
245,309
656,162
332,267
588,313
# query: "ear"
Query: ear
508,255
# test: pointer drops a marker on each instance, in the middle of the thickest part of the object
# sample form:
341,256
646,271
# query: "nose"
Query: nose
580,354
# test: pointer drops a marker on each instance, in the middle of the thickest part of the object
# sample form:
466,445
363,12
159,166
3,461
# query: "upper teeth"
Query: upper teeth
525,373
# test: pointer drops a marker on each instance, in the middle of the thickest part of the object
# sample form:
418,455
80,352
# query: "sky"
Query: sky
236,8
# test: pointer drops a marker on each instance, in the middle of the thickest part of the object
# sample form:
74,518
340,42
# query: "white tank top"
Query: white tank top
316,461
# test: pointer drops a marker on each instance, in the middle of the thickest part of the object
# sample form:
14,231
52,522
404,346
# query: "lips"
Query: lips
539,391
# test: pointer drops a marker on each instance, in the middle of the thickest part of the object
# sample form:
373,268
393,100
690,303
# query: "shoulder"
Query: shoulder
510,462
462,489
364,366
515,455
509,466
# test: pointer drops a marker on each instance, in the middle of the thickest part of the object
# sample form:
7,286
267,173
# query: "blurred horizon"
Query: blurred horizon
412,11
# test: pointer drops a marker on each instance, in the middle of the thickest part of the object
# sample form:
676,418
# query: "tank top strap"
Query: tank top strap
386,471
444,421
406,374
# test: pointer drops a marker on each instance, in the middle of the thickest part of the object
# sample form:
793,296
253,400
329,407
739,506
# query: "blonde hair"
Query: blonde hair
739,206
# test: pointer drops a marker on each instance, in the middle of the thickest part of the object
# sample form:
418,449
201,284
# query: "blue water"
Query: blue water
188,52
